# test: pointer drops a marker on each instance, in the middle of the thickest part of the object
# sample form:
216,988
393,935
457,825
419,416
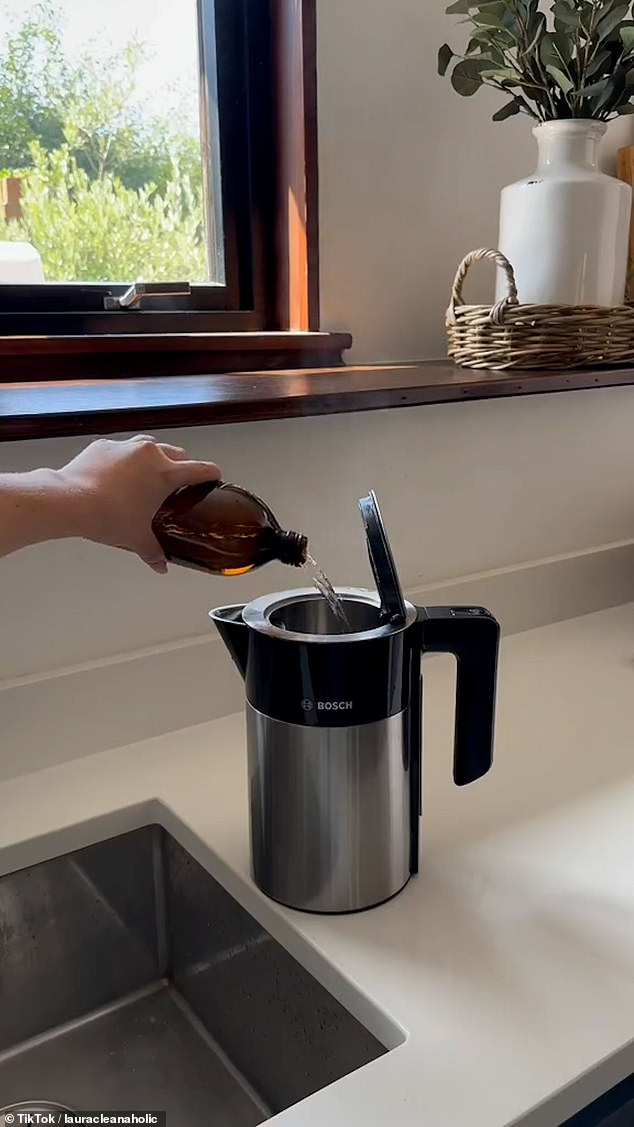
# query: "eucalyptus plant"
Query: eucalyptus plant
566,59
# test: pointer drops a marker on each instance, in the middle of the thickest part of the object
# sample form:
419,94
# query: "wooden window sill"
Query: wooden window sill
134,355
107,406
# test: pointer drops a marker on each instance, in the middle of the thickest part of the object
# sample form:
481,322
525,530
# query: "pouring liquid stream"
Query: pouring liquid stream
325,588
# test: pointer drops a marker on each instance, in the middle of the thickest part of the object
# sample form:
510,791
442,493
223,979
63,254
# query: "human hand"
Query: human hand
118,486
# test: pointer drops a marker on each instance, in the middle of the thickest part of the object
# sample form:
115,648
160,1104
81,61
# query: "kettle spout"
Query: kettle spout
234,633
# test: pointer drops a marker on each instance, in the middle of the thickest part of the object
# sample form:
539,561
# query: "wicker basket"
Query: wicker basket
511,335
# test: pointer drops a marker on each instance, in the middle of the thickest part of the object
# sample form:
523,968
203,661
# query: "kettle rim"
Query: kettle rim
257,615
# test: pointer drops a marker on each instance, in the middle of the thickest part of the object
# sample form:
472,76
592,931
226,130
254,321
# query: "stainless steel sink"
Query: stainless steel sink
130,979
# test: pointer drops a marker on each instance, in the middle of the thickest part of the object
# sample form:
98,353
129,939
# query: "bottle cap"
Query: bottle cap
382,561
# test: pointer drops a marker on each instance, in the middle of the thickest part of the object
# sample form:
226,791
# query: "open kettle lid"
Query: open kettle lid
382,561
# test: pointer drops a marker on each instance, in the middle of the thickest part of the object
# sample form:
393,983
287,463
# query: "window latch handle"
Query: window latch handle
136,293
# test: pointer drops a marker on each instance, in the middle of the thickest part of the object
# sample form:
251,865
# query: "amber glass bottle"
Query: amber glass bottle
221,528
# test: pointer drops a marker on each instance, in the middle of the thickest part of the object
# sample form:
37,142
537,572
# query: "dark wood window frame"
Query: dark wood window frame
267,315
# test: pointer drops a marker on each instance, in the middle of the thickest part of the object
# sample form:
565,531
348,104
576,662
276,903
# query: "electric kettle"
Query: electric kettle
334,729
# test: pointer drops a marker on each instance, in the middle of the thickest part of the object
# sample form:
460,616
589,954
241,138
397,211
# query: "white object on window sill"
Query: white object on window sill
565,229
20,263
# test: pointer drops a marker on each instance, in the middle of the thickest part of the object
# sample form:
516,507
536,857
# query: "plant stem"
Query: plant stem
546,87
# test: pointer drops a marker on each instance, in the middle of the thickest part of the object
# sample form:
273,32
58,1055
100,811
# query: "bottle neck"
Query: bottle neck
566,144
290,547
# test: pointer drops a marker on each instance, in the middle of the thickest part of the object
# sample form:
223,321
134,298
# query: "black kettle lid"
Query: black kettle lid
382,561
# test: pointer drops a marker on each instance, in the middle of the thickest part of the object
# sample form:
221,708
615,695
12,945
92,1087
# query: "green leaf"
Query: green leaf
536,30
445,55
482,45
499,14
627,35
615,93
488,19
563,43
562,80
502,74
565,15
459,8
612,20
601,64
510,21
608,98
550,52
499,36
594,88
509,110
466,79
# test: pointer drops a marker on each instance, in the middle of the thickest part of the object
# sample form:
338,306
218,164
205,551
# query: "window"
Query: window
138,144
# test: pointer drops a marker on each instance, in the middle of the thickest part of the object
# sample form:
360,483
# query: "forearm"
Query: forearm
35,507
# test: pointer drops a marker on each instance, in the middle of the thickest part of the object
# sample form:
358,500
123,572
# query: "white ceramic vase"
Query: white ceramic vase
565,229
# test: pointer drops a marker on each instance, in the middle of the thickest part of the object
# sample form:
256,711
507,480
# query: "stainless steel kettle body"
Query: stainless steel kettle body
334,737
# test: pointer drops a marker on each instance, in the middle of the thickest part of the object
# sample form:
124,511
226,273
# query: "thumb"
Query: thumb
151,552
193,473
160,567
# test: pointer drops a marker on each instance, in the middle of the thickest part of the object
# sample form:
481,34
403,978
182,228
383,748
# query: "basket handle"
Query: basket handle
496,316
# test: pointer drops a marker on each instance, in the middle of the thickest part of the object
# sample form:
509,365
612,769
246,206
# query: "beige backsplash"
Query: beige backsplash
83,709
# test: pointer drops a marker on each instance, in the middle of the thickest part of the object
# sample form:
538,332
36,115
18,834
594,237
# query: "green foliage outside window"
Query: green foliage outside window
108,194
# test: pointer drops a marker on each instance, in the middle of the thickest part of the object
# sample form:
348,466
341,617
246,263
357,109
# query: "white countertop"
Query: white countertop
505,972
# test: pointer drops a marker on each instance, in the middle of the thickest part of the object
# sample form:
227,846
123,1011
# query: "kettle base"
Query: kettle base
306,911
330,812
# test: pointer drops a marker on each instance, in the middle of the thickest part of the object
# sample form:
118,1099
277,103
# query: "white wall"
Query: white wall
409,179
464,488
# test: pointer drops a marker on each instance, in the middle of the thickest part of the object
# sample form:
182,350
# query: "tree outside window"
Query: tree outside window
109,175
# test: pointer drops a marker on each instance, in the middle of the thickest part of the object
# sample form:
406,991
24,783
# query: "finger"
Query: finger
160,568
145,438
174,453
151,552
194,473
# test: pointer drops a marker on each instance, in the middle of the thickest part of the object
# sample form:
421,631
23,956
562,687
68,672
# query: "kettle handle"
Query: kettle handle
472,634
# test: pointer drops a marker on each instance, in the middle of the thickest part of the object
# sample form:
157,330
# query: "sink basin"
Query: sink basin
131,980
614,1109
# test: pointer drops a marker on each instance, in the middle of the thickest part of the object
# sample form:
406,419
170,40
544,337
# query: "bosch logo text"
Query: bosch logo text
327,705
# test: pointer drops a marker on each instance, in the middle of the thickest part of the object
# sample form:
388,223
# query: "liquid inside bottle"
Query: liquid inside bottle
221,528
